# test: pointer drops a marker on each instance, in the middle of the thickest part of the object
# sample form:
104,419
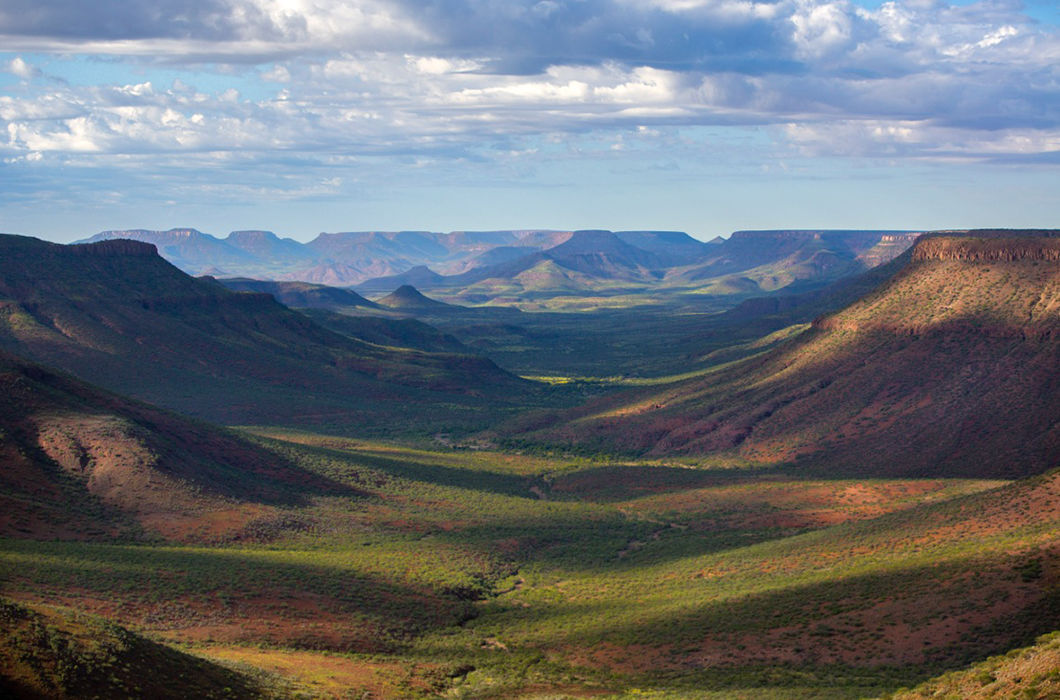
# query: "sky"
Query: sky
707,116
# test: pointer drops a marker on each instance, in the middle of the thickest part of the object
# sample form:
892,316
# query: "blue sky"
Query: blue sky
301,116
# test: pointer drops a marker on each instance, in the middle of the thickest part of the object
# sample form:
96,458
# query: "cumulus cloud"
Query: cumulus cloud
18,67
466,80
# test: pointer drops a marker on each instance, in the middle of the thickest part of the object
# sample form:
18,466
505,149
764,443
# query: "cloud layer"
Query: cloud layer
326,83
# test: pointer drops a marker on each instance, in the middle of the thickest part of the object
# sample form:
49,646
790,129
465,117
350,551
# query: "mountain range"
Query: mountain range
481,266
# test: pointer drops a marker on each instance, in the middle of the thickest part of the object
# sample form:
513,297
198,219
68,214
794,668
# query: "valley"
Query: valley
825,466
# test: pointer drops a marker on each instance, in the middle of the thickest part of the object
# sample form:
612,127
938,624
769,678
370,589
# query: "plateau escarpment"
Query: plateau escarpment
950,368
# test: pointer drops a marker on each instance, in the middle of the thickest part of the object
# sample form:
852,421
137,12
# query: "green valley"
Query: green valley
845,489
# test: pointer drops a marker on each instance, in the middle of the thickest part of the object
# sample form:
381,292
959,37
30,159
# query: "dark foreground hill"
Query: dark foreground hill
48,652
117,315
950,368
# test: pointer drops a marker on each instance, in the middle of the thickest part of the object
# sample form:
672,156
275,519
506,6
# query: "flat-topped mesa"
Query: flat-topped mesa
810,234
1011,246
964,283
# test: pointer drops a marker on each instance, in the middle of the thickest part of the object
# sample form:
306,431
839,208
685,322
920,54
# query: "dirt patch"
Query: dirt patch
329,675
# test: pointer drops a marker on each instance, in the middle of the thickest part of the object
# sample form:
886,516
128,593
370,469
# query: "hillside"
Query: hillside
1030,672
117,315
82,463
391,332
49,652
300,295
475,573
406,298
950,368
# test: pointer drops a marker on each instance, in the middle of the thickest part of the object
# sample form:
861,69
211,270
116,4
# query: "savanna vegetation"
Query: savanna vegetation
718,521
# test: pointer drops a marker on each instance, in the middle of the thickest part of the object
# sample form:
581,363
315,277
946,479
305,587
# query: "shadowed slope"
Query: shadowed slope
81,462
953,367
300,295
116,314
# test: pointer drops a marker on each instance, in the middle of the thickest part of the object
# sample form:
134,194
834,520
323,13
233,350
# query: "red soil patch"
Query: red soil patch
327,675
289,618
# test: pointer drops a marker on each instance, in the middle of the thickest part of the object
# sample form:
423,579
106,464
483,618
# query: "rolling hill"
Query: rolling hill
115,314
949,368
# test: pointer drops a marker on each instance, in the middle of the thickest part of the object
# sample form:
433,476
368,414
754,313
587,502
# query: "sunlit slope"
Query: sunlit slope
1030,672
117,315
952,367
79,462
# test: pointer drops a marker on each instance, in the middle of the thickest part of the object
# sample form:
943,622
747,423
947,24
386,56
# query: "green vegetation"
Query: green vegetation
483,574
1032,673
809,546
48,652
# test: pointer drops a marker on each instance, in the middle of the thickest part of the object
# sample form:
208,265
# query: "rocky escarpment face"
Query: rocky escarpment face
988,249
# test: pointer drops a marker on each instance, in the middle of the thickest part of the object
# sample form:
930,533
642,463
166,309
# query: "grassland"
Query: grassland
471,573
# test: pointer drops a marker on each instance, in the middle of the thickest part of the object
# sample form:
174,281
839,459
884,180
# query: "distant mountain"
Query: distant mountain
603,254
115,314
191,250
266,245
952,367
672,248
419,276
776,259
301,295
378,261
593,261
337,259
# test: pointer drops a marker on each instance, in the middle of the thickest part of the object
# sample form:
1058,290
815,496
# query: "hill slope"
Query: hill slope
117,315
81,462
407,297
952,367
48,652
300,295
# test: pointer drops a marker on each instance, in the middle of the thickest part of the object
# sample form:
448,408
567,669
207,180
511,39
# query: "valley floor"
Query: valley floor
481,574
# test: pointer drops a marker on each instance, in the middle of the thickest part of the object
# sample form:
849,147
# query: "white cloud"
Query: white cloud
17,66
374,78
